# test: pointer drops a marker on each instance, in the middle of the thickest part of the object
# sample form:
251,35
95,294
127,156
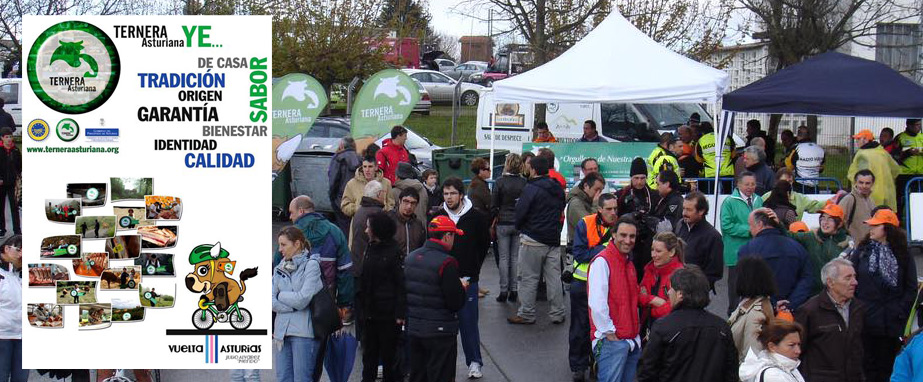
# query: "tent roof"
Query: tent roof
831,84
616,63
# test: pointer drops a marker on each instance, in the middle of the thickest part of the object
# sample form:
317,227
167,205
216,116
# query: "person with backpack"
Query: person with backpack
857,205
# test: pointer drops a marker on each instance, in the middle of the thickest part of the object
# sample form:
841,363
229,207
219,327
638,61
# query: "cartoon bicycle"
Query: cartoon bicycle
221,294
207,314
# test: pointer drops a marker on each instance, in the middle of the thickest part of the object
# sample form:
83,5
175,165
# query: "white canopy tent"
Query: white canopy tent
617,63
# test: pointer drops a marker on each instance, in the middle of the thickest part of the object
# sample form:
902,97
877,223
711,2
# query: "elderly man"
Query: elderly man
789,261
327,240
754,131
831,348
735,212
755,162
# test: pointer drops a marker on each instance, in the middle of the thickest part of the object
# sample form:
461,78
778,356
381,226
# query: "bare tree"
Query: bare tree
448,44
695,28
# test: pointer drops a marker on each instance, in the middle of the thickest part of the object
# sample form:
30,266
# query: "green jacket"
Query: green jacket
821,249
802,203
735,228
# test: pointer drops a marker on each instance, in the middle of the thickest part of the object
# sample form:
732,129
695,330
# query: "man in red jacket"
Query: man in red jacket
613,300
393,152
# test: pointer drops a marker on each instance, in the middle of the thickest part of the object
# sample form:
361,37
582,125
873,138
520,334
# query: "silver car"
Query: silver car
463,71
441,87
445,65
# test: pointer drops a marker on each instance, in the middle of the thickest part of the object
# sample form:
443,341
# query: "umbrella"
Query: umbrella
341,354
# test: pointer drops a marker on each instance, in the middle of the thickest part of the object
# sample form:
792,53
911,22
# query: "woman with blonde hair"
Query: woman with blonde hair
666,258
503,201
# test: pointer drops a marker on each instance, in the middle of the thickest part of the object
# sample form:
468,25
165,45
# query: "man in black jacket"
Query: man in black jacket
342,167
434,297
689,344
704,247
538,217
410,233
470,251
670,207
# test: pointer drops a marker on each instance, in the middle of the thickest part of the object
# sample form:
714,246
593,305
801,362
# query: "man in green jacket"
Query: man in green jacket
581,200
802,203
735,227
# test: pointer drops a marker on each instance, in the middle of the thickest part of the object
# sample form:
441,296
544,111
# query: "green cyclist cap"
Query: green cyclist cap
206,252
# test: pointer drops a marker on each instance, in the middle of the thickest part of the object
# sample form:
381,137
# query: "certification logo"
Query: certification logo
67,130
38,130
73,67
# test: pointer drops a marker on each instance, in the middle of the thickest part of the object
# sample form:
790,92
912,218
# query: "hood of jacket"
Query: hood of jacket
754,364
409,183
379,176
289,267
551,186
579,194
466,206
371,202
870,145
314,225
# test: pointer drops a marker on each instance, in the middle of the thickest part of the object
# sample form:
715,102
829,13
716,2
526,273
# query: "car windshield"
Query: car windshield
414,141
673,114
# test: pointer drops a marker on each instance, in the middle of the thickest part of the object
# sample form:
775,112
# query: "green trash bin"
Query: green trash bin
456,161
282,193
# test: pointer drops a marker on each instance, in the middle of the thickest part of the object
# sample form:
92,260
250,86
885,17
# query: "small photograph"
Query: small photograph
90,194
157,293
76,292
62,210
124,247
91,264
96,227
128,217
95,316
156,237
127,310
45,315
163,207
117,278
45,275
61,247
131,188
156,264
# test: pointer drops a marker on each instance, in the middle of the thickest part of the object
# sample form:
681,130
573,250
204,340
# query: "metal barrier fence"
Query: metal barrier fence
916,184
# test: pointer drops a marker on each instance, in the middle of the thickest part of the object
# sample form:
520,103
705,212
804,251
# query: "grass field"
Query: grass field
438,126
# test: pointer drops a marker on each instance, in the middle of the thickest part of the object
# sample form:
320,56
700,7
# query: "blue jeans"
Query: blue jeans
11,362
615,362
468,326
245,375
296,361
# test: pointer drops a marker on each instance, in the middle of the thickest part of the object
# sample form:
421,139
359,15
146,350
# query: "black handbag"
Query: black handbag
325,317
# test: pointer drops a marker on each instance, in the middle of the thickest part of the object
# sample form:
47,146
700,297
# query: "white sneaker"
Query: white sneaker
474,371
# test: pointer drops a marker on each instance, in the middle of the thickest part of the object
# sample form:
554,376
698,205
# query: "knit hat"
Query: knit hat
638,167
405,171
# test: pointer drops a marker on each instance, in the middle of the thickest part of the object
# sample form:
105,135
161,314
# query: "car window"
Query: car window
338,131
415,142
10,93
318,130
440,78
620,121
422,77
673,114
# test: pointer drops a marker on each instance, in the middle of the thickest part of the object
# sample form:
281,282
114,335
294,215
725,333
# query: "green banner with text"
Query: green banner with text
386,99
614,157
297,100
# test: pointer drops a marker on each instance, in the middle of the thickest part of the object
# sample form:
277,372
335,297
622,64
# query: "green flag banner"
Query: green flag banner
297,100
386,99
614,157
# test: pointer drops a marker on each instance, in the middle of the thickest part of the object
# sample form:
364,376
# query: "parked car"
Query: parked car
11,92
425,103
441,87
445,65
487,78
464,71
338,99
326,133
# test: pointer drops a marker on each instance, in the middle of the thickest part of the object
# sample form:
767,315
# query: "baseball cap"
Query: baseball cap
798,226
866,134
884,216
444,224
832,210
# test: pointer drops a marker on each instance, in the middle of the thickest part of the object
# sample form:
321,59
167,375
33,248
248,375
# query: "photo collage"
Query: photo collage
104,254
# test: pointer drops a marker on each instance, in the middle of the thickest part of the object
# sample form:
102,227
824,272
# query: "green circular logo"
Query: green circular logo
92,194
72,249
126,316
73,67
67,130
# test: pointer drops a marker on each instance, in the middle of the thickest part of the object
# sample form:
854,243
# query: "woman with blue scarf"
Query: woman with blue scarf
887,279
295,281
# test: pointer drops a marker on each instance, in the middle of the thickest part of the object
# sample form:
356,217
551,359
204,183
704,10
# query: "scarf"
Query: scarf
882,262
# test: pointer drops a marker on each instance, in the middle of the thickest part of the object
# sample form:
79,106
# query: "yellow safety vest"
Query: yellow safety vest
707,144
661,160
914,163
581,270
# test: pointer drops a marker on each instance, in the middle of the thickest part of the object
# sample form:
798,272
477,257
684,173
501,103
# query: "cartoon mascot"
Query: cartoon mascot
210,276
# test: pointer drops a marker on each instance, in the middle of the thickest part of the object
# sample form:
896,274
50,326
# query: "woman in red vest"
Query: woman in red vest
666,258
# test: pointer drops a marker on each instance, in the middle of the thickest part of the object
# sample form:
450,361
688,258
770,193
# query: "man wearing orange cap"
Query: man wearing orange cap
872,157
434,297
826,242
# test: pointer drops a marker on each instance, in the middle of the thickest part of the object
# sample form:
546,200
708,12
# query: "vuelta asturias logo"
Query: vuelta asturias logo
73,67
212,351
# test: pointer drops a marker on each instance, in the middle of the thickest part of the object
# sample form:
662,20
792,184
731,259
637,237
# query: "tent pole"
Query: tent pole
852,132
492,140
719,150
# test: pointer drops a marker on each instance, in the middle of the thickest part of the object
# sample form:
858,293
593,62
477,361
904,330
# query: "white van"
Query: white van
616,122
11,92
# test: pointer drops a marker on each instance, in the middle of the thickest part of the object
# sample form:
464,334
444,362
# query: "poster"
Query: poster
614,157
143,160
